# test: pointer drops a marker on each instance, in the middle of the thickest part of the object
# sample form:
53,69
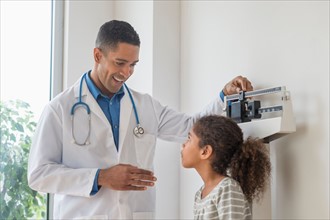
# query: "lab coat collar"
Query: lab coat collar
125,109
87,97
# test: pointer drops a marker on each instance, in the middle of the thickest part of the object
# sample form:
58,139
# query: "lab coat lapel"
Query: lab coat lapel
92,103
125,117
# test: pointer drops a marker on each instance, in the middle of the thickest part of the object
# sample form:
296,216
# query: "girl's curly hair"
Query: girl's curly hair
245,161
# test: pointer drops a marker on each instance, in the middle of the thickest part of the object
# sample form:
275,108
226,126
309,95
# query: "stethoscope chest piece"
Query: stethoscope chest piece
138,131
84,138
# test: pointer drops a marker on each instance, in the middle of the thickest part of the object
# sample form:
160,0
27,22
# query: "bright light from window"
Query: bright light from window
25,52
25,45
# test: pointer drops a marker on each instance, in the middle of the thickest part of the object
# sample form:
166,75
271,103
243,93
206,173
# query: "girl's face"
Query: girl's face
190,153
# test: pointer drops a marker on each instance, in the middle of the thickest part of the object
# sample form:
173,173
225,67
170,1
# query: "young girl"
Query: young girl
234,171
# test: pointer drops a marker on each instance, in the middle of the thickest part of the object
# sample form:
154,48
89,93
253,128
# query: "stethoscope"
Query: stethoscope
138,131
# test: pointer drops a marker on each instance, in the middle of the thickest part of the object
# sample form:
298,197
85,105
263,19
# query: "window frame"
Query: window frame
56,67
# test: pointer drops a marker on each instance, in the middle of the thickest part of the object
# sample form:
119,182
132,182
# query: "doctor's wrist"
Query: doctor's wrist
101,178
96,187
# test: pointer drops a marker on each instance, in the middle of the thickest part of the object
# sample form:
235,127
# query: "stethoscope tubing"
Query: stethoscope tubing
74,107
138,131
133,104
79,99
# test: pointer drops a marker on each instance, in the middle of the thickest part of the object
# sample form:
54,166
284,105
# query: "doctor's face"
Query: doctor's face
114,67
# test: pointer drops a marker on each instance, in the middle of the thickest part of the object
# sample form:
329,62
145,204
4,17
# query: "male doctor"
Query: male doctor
95,142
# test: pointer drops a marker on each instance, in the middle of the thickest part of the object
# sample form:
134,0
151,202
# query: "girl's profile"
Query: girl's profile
234,171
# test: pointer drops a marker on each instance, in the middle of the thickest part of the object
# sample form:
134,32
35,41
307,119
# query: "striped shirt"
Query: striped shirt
225,201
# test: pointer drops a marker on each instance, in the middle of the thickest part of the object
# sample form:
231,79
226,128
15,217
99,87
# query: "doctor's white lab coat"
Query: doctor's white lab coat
57,165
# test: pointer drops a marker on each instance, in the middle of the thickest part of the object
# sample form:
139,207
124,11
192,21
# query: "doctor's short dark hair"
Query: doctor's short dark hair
113,32
246,161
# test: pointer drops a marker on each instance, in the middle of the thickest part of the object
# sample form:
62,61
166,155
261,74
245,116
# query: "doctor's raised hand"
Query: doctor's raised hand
95,142
236,85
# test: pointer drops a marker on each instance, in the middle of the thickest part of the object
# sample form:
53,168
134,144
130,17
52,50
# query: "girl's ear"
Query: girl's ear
206,152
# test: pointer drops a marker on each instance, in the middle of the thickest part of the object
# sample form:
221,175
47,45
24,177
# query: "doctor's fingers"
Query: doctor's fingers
242,83
133,188
143,177
236,85
141,183
136,170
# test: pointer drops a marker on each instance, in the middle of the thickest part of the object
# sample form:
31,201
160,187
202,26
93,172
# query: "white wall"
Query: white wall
273,44
166,89
82,21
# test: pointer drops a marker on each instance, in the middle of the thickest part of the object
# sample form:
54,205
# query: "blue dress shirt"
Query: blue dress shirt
111,109
110,106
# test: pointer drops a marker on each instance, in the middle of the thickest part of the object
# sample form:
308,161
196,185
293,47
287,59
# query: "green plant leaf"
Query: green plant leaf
17,200
19,127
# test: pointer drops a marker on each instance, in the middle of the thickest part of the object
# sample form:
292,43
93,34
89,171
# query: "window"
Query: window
26,29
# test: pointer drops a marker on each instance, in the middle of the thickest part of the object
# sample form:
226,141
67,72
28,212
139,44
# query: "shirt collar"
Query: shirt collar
96,92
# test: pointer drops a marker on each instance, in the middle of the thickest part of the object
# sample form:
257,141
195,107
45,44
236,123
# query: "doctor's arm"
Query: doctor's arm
174,126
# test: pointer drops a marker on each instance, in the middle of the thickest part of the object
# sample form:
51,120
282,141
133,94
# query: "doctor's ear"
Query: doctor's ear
97,54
